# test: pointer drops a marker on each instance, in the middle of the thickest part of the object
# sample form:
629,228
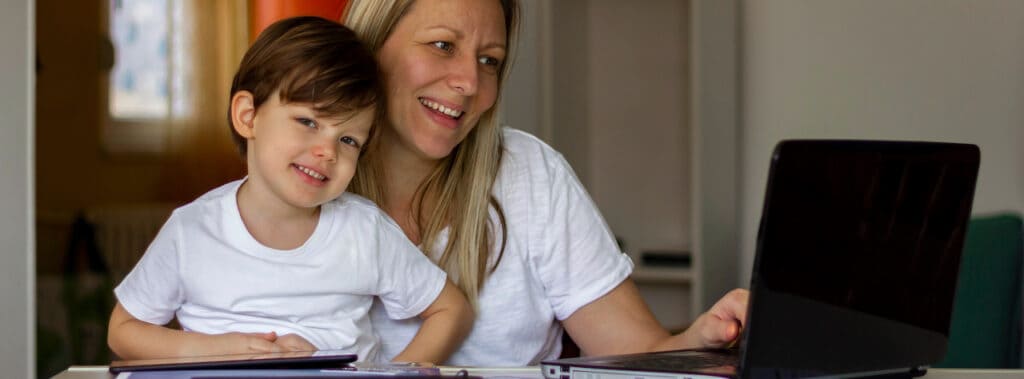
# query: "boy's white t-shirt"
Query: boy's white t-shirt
560,255
205,268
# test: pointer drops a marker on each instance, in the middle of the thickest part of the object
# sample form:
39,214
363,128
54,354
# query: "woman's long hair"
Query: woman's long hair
460,186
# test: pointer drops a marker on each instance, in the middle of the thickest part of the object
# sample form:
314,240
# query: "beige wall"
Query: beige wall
69,115
913,69
73,170
17,320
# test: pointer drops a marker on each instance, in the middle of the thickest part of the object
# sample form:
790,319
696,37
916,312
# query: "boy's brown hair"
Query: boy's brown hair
309,60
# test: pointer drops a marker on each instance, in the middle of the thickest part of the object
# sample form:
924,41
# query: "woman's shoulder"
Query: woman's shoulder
531,172
517,141
524,151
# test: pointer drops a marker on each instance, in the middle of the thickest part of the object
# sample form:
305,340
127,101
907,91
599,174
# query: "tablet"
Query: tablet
286,360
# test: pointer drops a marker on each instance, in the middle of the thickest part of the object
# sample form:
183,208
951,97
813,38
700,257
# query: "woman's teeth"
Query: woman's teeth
441,108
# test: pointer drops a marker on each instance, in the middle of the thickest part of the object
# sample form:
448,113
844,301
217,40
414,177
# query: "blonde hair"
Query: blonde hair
460,186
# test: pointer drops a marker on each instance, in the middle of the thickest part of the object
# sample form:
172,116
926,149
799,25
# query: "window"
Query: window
145,84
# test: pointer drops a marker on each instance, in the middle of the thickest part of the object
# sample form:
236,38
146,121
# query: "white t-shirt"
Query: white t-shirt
560,255
205,268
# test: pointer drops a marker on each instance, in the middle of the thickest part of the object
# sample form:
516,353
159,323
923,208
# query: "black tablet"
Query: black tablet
287,360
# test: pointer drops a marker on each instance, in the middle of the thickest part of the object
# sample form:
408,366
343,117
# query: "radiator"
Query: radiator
123,232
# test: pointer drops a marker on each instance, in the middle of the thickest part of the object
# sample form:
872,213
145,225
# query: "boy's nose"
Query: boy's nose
326,151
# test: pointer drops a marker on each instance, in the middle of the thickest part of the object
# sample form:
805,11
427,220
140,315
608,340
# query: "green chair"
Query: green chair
986,324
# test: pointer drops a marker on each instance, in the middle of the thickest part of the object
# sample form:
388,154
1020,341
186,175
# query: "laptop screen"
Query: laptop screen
868,234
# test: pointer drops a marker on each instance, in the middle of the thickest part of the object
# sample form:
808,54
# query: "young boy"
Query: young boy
277,261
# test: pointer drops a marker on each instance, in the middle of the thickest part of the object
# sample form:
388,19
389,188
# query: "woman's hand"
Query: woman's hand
721,325
634,328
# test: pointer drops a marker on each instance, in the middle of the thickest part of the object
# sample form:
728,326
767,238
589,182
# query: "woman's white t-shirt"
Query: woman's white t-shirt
560,255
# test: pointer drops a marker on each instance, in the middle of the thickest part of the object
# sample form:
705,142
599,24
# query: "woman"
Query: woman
498,209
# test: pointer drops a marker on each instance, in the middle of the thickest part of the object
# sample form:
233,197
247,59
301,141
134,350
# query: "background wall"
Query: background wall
70,113
618,111
947,70
524,98
17,320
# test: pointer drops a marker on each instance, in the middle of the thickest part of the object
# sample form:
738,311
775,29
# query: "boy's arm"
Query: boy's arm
446,322
131,338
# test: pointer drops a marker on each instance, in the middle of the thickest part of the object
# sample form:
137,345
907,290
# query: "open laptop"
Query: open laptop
856,266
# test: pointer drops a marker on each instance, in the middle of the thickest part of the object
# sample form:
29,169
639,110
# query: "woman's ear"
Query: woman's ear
243,112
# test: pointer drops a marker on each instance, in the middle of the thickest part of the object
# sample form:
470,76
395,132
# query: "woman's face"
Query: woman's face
441,65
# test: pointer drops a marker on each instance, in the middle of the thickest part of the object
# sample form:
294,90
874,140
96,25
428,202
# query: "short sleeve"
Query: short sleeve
152,291
576,257
409,281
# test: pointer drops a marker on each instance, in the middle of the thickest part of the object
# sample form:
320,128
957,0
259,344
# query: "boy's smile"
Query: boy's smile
320,178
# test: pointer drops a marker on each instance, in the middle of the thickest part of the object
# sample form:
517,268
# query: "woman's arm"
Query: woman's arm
620,322
446,322
131,338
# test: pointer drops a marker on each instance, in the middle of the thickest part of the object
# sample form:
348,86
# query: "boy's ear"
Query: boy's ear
243,112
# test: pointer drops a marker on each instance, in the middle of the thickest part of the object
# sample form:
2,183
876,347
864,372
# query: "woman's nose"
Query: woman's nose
464,76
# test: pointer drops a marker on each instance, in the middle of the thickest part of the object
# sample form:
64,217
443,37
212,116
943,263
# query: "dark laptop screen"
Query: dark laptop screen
878,228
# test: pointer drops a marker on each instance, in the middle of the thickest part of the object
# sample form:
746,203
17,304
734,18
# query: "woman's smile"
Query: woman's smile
446,115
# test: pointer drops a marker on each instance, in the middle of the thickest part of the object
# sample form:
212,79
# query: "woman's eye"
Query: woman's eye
349,141
446,46
306,122
489,61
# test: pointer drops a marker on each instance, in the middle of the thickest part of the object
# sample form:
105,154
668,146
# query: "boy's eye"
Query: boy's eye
446,46
306,122
349,141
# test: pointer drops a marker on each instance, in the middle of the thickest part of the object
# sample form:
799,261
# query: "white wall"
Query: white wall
17,261
618,111
615,108
940,70
714,161
638,134
523,98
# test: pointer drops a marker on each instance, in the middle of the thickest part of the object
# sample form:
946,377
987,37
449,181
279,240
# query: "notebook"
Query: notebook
854,273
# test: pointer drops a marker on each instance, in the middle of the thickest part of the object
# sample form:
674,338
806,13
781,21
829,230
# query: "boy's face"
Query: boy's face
303,158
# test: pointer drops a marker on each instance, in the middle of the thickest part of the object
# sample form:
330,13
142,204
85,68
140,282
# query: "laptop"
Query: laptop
854,274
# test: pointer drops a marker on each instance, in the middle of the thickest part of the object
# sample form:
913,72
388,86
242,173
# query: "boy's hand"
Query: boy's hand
250,342
292,342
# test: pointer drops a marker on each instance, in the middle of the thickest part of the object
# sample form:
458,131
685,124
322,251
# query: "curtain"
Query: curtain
265,12
210,38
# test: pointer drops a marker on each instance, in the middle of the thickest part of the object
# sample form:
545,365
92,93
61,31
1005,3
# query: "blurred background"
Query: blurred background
667,109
